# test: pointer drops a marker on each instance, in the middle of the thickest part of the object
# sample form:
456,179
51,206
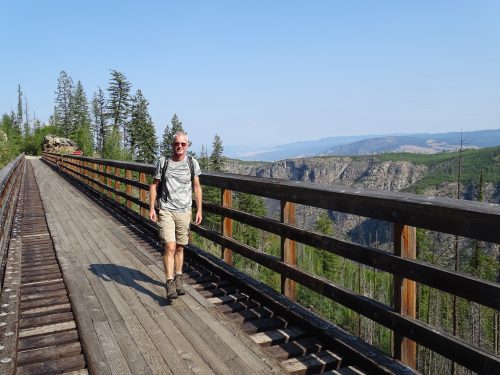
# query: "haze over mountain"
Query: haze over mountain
424,143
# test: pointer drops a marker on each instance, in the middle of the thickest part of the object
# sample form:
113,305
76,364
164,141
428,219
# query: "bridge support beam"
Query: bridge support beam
405,293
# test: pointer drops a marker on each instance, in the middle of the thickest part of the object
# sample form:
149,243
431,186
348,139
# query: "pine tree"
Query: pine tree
253,205
323,224
27,129
166,142
19,117
10,139
99,123
112,145
168,135
203,160
143,141
80,120
216,157
119,103
64,98
328,261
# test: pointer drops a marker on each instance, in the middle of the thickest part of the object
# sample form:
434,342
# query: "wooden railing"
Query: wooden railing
406,211
11,177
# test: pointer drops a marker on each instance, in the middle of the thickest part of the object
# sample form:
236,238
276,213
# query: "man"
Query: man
175,208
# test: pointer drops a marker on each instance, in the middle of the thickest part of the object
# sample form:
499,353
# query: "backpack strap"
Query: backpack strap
164,169
191,168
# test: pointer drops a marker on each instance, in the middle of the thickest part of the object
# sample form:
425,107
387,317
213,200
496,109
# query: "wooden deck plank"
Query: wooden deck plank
125,341
115,357
171,337
230,345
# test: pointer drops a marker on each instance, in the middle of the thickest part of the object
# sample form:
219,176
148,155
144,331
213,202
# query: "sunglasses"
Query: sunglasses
183,144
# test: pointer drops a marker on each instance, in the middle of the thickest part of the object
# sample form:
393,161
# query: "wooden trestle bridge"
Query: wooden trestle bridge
83,284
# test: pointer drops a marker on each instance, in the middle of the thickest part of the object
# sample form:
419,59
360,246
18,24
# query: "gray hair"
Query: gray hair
180,134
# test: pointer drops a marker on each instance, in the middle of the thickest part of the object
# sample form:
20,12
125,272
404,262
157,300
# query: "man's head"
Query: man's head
180,145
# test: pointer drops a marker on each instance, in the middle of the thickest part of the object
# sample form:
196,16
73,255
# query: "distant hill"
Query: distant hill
423,143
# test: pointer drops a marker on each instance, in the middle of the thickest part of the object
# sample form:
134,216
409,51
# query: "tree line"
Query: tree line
114,124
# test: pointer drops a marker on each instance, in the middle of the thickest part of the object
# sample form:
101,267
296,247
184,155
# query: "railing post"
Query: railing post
405,293
101,177
128,176
95,176
109,181
142,193
227,224
118,173
288,253
84,172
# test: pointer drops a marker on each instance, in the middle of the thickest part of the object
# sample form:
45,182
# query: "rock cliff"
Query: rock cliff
365,172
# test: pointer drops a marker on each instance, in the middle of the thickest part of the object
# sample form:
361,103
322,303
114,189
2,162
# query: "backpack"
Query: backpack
159,189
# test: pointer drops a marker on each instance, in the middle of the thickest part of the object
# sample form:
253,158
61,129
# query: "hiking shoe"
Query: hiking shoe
170,287
179,285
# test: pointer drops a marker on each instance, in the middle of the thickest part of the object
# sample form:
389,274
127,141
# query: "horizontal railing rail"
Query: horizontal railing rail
10,186
474,220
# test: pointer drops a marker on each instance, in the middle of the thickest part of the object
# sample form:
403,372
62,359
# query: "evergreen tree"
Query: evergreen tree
80,120
143,141
19,117
54,121
323,224
10,139
166,142
64,98
168,135
99,123
252,204
119,103
203,160
4,147
27,129
212,194
112,145
328,261
216,157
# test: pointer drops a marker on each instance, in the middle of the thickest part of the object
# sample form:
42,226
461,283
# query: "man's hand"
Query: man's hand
152,215
198,218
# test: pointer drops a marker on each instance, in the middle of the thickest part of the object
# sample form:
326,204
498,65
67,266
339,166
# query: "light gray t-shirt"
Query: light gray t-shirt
177,192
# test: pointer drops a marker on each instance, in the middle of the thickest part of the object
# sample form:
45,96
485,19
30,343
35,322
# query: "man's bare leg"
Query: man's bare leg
179,262
168,264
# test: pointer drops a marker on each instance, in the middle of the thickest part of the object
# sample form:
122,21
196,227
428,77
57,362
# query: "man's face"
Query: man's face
180,146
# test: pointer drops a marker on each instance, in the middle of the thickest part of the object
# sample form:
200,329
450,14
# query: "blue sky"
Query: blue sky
263,73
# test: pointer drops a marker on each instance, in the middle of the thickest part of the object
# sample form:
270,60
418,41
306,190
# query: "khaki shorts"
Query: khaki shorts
174,227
